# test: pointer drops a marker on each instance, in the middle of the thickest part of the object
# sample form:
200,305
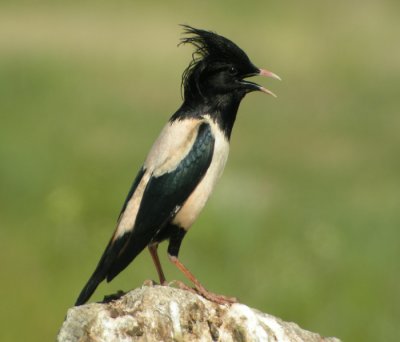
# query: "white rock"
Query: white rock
161,313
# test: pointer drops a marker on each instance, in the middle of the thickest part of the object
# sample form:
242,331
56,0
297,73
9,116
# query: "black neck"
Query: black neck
221,108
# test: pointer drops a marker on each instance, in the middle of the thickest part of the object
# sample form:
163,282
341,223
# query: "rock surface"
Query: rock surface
162,313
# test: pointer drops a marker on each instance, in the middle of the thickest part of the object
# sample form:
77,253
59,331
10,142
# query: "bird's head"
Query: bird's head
219,67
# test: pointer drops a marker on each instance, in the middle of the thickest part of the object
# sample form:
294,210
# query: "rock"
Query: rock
162,313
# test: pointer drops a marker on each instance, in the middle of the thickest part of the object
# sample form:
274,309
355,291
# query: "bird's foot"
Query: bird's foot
114,296
150,283
216,298
181,285
200,290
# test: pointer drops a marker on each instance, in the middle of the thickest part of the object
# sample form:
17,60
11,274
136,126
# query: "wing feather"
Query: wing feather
164,195
175,166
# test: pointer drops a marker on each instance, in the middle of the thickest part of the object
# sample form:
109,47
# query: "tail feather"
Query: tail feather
117,255
107,259
89,288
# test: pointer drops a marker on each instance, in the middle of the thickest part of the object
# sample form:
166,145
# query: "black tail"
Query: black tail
102,269
89,288
114,259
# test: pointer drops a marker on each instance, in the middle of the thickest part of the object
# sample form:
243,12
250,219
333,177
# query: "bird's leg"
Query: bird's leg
220,299
173,250
157,263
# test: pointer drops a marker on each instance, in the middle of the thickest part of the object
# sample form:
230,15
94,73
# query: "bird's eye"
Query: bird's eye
232,71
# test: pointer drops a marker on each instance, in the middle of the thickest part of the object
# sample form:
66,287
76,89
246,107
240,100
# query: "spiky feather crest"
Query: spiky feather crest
210,47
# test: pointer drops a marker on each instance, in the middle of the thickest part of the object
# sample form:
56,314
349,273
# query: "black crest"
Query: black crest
210,48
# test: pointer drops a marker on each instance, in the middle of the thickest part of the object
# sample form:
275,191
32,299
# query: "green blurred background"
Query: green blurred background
305,221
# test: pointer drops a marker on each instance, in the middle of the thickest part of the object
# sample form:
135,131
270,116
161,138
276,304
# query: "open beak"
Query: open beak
254,86
267,73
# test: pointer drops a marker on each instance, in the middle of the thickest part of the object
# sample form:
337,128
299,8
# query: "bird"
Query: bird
184,163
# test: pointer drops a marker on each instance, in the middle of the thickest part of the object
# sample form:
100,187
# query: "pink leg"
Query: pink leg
220,299
156,260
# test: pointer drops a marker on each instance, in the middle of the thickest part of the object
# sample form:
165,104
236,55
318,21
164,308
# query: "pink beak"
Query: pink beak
267,73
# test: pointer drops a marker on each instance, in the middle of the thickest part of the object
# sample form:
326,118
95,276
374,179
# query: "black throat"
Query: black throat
221,108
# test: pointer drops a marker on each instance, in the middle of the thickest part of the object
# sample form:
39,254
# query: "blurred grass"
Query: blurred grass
304,223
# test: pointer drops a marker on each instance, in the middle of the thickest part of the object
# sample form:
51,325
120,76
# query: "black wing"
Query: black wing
109,253
163,197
